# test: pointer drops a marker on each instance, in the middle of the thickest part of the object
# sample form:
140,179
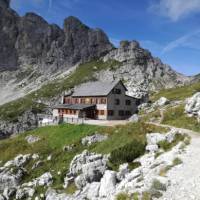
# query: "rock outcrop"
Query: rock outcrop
140,68
192,107
89,140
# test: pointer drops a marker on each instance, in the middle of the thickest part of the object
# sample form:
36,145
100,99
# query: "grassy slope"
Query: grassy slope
83,73
179,93
54,138
176,116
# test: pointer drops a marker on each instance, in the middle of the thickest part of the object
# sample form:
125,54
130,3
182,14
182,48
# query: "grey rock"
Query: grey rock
161,102
32,139
52,195
89,167
134,118
192,106
2,197
155,138
152,148
88,140
37,164
45,180
24,193
93,190
123,171
9,193
68,148
19,161
10,179
108,184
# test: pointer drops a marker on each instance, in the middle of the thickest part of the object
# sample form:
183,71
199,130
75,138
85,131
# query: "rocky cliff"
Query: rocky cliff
30,40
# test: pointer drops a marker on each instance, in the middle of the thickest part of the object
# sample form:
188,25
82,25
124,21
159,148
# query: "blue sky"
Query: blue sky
168,28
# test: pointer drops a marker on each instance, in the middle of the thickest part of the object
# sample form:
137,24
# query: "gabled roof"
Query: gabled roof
96,88
74,106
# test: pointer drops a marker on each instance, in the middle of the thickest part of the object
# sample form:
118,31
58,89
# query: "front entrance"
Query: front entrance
87,113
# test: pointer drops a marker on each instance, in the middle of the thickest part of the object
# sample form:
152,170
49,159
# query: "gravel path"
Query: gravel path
185,178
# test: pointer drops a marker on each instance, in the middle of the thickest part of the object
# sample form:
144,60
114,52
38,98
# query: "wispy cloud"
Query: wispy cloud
175,9
115,41
190,40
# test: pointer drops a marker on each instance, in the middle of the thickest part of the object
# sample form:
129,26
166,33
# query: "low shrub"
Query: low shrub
123,196
127,153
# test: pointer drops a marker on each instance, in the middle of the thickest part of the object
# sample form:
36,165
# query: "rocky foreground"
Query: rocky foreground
91,175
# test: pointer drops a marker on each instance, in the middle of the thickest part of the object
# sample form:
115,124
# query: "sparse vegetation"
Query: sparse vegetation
157,188
176,161
177,117
166,146
123,196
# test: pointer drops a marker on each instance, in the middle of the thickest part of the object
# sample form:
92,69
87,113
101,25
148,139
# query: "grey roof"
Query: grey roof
97,88
74,106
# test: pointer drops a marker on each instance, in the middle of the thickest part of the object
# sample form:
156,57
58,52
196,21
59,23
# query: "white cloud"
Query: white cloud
190,40
175,9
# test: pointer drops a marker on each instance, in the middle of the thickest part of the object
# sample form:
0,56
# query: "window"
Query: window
101,112
138,102
128,102
117,101
110,112
127,113
83,101
116,91
76,101
121,113
103,101
67,100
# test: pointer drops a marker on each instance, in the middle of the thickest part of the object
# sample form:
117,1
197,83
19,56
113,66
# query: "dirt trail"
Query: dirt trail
185,178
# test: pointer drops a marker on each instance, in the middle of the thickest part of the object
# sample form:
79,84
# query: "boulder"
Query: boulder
134,118
155,138
32,139
192,106
89,167
152,148
123,171
161,102
88,140
44,180
108,184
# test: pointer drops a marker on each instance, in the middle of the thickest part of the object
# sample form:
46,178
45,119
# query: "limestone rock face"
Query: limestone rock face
8,35
30,40
140,69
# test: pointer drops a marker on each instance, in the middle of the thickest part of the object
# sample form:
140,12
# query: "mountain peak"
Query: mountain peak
72,23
